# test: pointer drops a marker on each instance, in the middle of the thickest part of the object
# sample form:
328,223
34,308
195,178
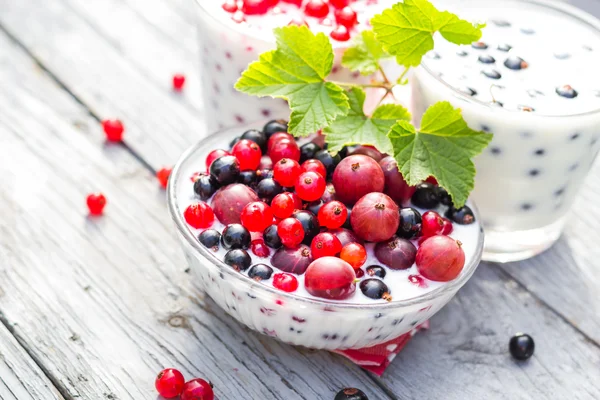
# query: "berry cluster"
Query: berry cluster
337,14
170,383
318,213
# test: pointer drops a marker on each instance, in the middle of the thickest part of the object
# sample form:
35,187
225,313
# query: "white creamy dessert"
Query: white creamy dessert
229,42
533,82
299,317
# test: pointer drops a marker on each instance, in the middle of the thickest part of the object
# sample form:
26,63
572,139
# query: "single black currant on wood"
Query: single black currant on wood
235,236
521,346
238,259
225,170
425,196
210,238
351,394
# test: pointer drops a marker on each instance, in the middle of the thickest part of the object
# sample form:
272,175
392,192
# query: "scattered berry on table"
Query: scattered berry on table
432,224
163,176
259,248
210,238
257,137
213,155
310,186
197,389
325,244
396,253
286,282
235,236
409,226
286,171
314,166
375,289
376,270
330,278
355,176
271,237
95,203
256,216
462,216
332,215
199,215
113,129
205,186
521,346
310,224
375,217
267,189
351,394
169,383
260,272
178,82
440,258
291,232
238,259
294,261
354,254
248,154
225,169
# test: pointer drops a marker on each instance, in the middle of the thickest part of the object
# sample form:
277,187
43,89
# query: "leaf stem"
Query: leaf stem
402,76
383,75
379,85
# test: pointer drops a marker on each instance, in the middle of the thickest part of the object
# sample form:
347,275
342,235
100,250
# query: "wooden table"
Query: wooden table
94,308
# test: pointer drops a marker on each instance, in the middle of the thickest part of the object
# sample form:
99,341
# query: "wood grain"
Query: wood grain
104,303
20,377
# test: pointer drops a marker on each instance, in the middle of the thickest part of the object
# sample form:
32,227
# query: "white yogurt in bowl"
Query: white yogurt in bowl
300,318
533,82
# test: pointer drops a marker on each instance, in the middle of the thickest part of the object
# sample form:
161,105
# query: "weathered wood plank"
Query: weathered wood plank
160,124
103,304
465,355
20,377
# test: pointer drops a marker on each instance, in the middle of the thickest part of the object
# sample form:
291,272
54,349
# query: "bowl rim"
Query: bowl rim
569,10
182,228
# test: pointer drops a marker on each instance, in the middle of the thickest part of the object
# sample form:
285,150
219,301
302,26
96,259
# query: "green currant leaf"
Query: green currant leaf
357,128
442,148
406,30
365,54
296,72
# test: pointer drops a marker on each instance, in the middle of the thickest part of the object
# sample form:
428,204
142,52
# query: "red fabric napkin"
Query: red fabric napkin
377,358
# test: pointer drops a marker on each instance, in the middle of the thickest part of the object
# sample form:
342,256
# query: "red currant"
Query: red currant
447,227
286,171
290,232
230,6
286,282
325,244
113,128
255,7
283,205
256,216
346,17
316,8
259,248
339,3
314,166
163,176
199,215
432,224
340,33
417,280
354,254
169,383
178,82
213,155
333,215
248,154
310,186
276,137
284,148
197,389
96,203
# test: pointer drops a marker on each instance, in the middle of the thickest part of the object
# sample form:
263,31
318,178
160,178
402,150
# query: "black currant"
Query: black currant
410,223
248,178
376,270
462,216
210,238
260,272
235,236
443,196
257,137
310,224
425,196
308,151
375,289
521,346
351,394
267,189
329,161
225,170
271,237
205,186
238,259
277,125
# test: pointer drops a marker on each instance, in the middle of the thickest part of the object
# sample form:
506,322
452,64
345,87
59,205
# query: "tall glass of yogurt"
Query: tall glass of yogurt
232,35
534,82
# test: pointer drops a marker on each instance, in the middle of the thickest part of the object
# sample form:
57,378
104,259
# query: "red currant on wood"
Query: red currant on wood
199,215
178,82
96,203
310,186
290,232
113,128
332,215
169,383
197,389
256,216
163,176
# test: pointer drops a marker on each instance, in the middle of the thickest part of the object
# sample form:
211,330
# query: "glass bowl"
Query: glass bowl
297,320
